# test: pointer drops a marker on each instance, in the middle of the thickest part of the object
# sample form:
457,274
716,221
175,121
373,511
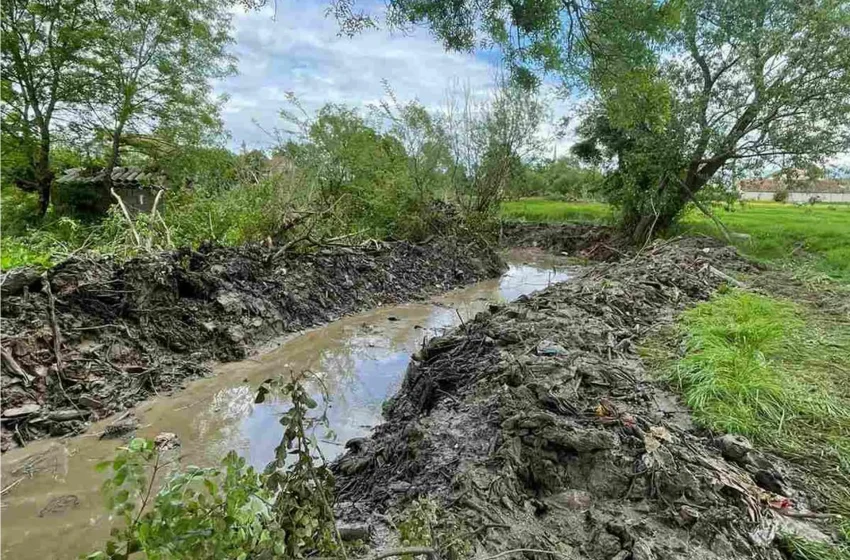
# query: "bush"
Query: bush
230,511
780,195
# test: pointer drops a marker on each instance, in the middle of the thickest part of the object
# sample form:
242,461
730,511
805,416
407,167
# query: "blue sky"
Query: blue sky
299,51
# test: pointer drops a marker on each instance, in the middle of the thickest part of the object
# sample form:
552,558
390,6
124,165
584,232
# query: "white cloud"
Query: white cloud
299,51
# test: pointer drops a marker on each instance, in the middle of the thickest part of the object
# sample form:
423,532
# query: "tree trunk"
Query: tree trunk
647,225
114,155
43,174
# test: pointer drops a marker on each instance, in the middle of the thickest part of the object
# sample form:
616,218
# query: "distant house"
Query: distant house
799,187
86,190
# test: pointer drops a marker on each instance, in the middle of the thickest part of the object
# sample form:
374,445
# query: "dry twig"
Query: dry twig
57,340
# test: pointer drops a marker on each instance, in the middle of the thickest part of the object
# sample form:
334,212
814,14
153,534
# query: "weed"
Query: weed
230,511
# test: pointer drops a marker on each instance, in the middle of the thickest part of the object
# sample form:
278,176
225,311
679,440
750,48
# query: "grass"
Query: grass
554,211
777,373
812,239
764,368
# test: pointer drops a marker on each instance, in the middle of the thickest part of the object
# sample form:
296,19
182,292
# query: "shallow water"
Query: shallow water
361,359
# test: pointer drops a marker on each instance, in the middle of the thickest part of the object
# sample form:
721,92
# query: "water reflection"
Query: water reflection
367,366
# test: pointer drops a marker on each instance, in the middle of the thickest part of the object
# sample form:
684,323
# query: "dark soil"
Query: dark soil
536,427
593,242
130,330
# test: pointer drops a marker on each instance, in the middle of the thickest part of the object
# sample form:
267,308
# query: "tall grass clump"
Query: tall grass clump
776,373
758,366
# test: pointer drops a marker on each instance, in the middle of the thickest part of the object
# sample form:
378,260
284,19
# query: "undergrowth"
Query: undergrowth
229,511
776,373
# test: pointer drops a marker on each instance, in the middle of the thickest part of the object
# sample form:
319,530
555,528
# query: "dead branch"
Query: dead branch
720,225
12,485
412,550
519,550
156,201
57,340
127,217
154,214
726,277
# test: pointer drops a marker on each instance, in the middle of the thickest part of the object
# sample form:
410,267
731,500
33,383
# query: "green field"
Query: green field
812,239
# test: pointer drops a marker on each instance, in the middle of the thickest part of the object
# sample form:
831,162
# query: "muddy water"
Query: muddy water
51,503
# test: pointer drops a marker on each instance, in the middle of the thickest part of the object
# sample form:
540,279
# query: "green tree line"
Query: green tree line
678,91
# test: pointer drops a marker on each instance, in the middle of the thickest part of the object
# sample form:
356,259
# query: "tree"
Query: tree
360,172
42,55
748,81
151,69
423,139
488,139
679,88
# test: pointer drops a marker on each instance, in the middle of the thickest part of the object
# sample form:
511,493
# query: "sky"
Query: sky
298,50
291,46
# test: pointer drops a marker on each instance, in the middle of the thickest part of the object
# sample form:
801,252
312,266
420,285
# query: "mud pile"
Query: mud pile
131,330
594,242
536,425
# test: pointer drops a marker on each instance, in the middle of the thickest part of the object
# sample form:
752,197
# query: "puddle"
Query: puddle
361,360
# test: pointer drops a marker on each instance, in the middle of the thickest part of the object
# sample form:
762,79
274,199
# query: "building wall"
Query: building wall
138,200
797,197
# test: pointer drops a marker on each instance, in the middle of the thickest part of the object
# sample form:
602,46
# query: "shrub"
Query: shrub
780,195
229,511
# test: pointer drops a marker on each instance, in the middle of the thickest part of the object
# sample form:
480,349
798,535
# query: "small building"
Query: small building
799,188
85,190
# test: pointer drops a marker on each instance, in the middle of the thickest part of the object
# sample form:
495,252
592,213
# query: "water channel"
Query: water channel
52,506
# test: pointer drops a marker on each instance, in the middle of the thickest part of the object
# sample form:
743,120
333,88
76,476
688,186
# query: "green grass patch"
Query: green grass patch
776,373
799,548
760,367
815,240
555,211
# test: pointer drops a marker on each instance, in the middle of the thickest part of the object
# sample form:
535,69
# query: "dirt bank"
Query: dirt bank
597,243
536,427
128,331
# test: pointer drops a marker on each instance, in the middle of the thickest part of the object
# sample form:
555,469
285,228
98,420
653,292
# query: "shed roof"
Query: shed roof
128,177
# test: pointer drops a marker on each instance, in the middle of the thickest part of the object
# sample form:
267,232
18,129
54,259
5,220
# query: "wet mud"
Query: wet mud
55,509
536,426
92,338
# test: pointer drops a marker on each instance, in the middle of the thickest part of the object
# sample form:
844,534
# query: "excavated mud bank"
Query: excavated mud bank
93,337
536,427
593,242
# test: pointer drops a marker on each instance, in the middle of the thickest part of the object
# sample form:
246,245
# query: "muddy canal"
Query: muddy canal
51,502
